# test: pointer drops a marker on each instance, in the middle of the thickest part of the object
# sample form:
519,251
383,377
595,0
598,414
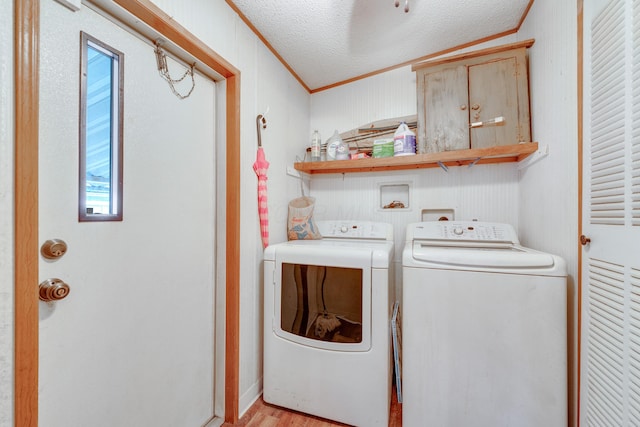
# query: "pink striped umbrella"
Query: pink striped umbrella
260,166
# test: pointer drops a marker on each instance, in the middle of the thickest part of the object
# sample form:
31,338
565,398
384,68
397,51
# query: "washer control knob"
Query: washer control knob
344,229
458,231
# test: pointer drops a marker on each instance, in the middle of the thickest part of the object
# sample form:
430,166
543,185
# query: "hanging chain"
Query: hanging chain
161,59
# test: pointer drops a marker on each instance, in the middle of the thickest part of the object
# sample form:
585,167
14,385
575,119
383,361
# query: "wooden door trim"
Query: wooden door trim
26,92
26,66
580,83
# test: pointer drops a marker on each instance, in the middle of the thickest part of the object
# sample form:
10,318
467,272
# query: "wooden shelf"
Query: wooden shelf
499,154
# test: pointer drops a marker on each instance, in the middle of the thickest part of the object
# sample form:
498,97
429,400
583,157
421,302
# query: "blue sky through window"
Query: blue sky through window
99,130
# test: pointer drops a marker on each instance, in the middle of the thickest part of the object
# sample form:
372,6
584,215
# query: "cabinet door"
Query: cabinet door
493,93
474,87
445,115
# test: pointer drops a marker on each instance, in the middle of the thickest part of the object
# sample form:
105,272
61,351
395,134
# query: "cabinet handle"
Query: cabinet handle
475,107
463,107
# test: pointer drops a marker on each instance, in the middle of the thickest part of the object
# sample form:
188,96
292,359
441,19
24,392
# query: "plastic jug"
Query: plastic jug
404,141
336,148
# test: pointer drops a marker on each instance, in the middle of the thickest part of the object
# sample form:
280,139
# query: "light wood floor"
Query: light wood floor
262,414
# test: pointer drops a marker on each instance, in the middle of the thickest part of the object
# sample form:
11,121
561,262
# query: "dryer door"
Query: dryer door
324,303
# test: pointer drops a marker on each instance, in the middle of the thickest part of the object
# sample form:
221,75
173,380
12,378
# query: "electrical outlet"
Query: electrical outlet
438,215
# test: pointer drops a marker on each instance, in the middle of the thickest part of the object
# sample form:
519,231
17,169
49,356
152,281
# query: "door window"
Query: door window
101,85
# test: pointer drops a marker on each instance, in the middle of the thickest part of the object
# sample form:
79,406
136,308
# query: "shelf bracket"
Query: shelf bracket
291,171
541,152
475,161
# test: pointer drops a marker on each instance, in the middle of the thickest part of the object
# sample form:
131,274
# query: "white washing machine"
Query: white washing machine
327,308
484,329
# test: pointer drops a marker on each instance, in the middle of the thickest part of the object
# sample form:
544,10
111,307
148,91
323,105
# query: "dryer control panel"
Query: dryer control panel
356,230
462,230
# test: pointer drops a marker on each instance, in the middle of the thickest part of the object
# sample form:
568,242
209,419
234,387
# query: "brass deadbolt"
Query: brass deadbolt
53,290
53,248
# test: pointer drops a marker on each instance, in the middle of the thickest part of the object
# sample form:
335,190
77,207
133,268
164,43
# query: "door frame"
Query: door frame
580,84
26,239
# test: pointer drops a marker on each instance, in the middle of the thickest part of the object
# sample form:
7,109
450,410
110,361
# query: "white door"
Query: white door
610,350
133,342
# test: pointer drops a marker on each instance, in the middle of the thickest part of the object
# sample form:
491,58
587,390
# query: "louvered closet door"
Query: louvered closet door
610,377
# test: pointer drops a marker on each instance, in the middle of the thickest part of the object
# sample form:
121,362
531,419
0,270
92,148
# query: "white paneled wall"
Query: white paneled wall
392,94
549,189
548,201
482,192
265,84
6,215
211,21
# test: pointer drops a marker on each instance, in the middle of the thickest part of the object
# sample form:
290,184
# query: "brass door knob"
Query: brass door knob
584,240
53,290
53,248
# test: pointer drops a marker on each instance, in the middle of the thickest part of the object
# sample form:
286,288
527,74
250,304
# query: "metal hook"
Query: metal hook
260,119
161,60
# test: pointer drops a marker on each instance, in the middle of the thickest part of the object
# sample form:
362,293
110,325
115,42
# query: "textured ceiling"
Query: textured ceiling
330,41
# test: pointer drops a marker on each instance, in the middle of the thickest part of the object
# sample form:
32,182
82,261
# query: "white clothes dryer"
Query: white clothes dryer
327,309
484,329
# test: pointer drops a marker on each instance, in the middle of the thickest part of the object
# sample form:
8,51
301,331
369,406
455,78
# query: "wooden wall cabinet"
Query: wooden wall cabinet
474,87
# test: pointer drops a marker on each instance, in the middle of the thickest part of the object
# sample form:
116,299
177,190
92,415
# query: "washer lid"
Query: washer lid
478,246
497,256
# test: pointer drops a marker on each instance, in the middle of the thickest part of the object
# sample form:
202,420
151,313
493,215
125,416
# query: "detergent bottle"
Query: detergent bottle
336,148
404,141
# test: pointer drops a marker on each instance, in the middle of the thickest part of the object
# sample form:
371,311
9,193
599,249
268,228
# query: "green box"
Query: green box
383,147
